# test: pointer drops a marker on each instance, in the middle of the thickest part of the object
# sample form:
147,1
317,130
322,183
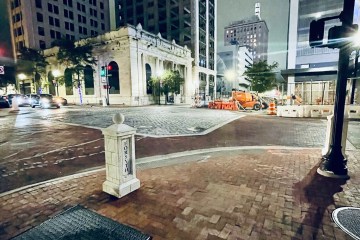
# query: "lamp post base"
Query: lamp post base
333,165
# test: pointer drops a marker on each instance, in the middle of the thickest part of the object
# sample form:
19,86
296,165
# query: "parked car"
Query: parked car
62,101
20,98
44,101
33,99
4,101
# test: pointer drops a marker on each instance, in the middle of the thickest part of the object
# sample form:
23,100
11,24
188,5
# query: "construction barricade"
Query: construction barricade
353,111
223,105
272,109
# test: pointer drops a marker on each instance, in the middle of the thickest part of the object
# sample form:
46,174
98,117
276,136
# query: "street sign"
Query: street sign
103,80
2,70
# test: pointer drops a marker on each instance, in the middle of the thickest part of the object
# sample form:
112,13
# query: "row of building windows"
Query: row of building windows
68,14
81,7
18,31
56,22
245,29
17,17
68,3
53,8
15,4
69,26
93,12
55,34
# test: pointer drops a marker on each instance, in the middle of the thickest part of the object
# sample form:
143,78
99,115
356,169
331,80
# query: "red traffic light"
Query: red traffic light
109,67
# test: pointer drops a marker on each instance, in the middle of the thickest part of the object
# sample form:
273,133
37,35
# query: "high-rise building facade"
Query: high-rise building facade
252,32
312,72
302,12
188,22
234,60
37,24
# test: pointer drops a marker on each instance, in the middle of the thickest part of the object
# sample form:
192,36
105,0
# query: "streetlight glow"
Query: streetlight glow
56,73
356,39
230,75
21,76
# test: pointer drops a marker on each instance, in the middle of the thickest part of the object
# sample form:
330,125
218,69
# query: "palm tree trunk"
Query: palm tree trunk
79,87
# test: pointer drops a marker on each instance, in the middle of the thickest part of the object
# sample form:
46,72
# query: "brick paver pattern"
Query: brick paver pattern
254,194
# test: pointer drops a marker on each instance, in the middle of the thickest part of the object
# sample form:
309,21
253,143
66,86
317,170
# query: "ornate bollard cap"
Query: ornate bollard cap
118,118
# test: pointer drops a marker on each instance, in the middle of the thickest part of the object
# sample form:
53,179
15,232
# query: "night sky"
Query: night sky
275,14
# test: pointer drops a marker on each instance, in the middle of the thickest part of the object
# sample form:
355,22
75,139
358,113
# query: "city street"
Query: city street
41,144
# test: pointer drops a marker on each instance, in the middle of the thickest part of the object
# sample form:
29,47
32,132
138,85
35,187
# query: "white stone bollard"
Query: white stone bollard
328,139
120,158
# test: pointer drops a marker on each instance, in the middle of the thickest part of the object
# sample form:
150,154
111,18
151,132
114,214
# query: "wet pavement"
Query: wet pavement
251,176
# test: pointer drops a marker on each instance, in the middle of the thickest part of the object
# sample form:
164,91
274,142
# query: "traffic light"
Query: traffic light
316,33
339,36
103,71
109,67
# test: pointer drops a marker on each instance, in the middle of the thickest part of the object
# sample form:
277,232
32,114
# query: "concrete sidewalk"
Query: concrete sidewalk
257,193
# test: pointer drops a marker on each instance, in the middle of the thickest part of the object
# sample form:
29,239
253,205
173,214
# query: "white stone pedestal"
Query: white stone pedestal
328,139
120,158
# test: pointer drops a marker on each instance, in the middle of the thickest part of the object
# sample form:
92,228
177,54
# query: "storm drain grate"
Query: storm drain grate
348,219
80,223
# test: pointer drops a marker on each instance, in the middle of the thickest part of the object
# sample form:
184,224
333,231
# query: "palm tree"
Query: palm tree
32,62
76,57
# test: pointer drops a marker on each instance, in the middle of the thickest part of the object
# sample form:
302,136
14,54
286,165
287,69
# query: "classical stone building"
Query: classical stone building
188,22
132,56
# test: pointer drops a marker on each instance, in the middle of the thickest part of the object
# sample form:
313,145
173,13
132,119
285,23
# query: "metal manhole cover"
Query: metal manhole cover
348,219
81,223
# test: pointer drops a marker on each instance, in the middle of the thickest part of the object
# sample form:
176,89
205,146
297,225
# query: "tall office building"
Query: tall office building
252,31
37,23
188,22
311,72
302,12
234,60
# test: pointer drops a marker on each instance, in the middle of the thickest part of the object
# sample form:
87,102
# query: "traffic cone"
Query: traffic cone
272,109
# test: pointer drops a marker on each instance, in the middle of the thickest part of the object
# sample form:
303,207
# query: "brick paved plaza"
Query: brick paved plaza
250,176
245,194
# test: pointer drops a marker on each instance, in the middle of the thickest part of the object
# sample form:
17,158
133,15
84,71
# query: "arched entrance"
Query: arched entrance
51,83
113,78
89,80
68,82
149,87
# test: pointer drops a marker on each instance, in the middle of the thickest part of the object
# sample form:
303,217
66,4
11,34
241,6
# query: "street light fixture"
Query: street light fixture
56,73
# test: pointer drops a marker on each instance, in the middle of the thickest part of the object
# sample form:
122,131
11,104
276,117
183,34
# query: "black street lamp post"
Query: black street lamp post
334,164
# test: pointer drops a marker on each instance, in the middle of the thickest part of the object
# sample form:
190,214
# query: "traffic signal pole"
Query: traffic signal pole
334,163
107,85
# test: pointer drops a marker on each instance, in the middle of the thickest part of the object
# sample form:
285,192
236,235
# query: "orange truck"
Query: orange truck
247,100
